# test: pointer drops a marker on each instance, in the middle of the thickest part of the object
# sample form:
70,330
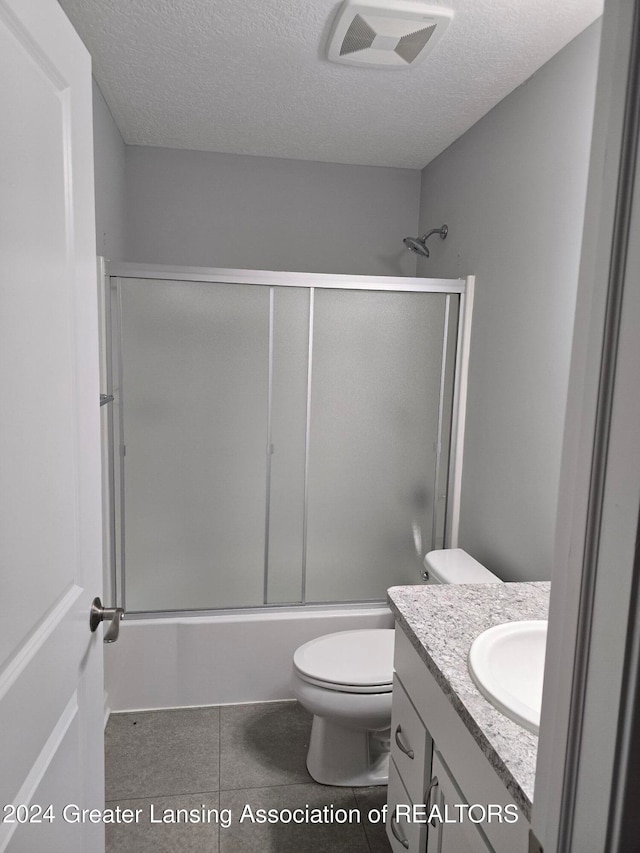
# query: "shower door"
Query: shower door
377,363
280,442
194,407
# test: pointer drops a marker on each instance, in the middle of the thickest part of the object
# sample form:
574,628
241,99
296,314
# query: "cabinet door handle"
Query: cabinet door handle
401,746
398,837
433,784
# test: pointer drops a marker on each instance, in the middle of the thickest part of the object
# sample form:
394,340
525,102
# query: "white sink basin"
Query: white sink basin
507,665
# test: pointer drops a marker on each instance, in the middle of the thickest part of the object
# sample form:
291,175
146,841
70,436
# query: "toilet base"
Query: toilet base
347,757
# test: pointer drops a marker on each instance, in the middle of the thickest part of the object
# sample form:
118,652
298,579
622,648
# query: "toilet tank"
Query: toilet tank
454,565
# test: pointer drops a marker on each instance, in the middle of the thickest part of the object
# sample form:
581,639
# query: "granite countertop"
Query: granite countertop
430,616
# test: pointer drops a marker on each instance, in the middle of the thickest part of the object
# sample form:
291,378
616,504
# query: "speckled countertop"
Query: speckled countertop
431,618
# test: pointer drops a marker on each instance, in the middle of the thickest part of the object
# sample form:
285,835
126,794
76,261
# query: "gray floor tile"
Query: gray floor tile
155,753
281,837
263,745
146,837
372,800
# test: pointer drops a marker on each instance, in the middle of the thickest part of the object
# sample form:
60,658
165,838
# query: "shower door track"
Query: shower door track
117,269
463,287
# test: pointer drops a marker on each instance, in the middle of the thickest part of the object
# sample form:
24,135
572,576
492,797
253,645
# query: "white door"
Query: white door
50,530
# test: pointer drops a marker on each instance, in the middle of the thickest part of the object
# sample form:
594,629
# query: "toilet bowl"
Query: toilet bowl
345,680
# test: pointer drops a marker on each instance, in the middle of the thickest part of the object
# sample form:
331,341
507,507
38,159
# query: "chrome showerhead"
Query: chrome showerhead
419,244
416,245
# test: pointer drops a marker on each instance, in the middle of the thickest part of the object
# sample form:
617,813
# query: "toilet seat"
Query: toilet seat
348,661
346,688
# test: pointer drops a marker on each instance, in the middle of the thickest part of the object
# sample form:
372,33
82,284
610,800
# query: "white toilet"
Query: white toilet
345,680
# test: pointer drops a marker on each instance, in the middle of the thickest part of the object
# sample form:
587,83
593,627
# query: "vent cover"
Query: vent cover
386,34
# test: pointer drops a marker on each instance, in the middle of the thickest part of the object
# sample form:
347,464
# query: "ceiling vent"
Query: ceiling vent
388,34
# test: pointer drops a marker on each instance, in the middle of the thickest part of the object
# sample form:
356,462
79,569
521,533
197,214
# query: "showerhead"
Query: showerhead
416,245
419,244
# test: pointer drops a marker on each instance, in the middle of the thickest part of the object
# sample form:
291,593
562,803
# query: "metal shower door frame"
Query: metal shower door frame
114,272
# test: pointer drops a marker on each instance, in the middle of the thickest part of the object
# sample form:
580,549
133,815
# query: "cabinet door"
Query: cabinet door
460,835
403,831
411,744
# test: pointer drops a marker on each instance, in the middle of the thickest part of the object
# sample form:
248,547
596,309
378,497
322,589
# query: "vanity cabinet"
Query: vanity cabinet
435,761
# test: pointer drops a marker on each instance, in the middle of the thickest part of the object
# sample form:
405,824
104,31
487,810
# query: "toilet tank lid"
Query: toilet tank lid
358,658
454,565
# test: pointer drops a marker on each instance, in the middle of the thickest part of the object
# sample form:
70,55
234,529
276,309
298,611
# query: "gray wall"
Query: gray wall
109,159
225,210
512,191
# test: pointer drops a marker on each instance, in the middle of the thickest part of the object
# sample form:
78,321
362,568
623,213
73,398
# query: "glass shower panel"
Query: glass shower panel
288,427
195,394
372,449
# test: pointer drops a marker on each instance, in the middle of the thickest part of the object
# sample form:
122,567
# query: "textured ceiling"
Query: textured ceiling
251,77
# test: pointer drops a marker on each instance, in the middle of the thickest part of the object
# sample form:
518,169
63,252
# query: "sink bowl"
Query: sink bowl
506,664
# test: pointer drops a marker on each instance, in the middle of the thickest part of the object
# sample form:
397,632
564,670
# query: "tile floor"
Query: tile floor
236,757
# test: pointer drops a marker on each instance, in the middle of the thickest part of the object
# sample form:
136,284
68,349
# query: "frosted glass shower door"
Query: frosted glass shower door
195,396
375,392
281,442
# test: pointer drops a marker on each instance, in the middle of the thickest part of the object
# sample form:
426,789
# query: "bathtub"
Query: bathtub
219,659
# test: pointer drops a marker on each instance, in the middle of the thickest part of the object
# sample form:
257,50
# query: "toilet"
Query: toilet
345,680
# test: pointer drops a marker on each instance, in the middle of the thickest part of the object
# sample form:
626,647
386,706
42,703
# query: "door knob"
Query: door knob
99,614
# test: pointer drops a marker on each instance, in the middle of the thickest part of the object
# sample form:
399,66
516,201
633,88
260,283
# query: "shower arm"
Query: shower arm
441,231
